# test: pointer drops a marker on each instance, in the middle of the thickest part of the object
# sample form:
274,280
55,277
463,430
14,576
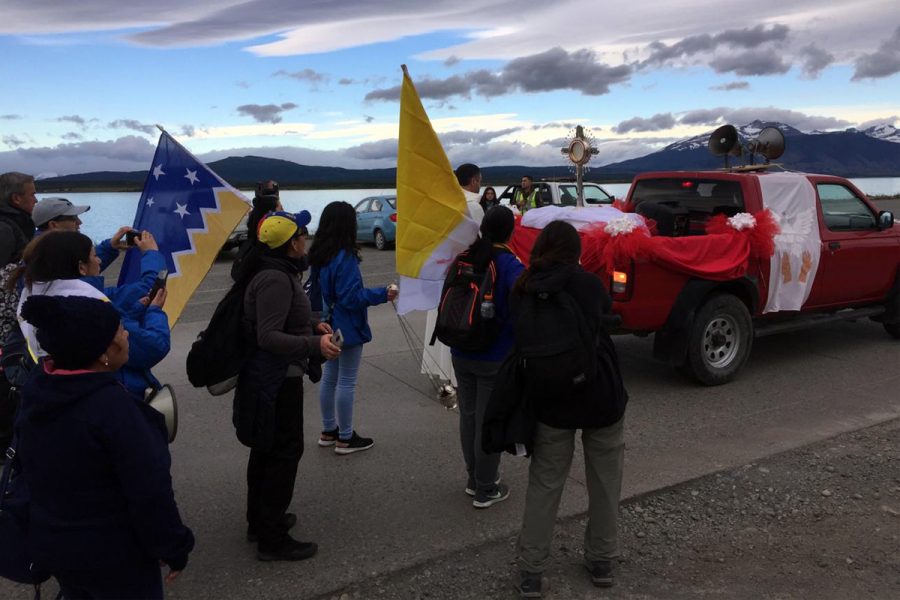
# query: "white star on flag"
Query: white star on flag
182,210
192,176
149,202
158,171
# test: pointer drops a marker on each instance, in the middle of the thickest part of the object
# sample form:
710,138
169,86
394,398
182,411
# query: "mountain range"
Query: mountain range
873,152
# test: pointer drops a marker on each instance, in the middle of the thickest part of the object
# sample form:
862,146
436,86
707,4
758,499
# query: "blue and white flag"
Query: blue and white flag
190,211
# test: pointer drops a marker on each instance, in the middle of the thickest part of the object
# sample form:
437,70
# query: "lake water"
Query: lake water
110,210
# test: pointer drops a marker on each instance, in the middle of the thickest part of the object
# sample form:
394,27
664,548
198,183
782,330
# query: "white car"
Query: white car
563,193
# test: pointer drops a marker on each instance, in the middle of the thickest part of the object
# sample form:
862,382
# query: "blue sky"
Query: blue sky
503,81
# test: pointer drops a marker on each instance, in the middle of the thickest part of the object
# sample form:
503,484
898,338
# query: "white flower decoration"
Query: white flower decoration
742,221
620,226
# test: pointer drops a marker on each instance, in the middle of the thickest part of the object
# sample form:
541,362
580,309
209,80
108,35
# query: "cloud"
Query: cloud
265,113
132,124
188,130
657,122
555,69
747,38
892,120
72,136
12,141
451,61
742,116
751,62
243,85
368,118
345,81
304,75
473,137
10,117
814,60
884,62
729,87
73,119
128,153
382,149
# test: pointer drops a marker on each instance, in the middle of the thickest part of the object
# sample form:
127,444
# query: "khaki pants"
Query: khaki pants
604,452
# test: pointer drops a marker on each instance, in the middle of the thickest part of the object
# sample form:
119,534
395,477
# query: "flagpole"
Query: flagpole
161,128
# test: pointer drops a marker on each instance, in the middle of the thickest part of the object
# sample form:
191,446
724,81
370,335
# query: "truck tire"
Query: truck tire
893,329
720,340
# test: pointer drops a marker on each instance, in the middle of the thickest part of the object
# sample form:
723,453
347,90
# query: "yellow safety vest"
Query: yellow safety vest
526,202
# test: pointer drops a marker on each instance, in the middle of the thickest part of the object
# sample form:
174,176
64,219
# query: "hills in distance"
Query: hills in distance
874,152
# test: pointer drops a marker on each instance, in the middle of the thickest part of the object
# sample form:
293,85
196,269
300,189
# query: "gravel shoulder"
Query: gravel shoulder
821,521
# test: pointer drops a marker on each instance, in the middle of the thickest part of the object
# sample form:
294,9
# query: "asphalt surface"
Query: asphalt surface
401,504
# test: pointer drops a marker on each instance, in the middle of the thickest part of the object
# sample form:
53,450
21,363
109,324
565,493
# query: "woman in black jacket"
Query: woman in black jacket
554,267
268,404
102,514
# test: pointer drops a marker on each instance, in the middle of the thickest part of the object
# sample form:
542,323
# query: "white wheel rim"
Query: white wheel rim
721,341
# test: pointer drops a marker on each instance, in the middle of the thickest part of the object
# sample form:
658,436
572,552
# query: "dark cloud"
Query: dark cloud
128,153
345,81
884,62
741,116
655,123
451,60
751,62
12,141
188,130
730,87
72,136
265,113
368,118
304,75
133,125
554,125
473,137
382,149
555,69
747,38
814,60
10,117
876,122
73,119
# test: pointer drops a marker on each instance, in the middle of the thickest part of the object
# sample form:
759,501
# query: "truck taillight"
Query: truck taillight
393,217
619,282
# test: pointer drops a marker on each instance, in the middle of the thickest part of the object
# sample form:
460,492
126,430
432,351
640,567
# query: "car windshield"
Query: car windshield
593,194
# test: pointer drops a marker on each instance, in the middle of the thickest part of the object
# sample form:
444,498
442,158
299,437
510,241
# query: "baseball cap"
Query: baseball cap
276,228
48,209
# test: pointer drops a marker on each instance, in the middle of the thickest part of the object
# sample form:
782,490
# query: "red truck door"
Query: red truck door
858,261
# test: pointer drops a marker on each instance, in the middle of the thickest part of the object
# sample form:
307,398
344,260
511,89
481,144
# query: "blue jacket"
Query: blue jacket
149,337
347,300
97,465
509,267
106,253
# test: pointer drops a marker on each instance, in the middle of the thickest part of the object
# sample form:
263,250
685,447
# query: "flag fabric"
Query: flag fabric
433,223
190,211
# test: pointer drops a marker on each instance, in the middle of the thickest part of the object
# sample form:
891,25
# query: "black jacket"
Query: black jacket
16,230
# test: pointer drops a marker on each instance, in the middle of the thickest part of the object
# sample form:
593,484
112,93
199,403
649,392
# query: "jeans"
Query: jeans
604,453
271,475
476,381
337,390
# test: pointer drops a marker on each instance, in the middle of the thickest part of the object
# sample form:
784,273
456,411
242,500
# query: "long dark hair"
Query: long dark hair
52,255
558,244
484,200
496,228
261,206
336,232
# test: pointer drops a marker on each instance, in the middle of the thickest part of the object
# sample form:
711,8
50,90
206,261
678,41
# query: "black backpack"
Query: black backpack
466,318
217,356
557,349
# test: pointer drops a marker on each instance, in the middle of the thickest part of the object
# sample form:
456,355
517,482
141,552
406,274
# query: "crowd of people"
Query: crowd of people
77,359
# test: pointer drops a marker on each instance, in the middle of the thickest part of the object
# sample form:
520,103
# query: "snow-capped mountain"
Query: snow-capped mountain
747,132
885,132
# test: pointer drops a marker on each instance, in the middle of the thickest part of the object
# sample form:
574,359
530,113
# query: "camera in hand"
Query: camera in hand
132,235
160,283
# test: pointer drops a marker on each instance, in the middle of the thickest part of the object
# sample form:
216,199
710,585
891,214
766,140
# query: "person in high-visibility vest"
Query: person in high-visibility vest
527,196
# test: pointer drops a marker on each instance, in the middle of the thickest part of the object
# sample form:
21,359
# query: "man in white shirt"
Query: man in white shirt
469,178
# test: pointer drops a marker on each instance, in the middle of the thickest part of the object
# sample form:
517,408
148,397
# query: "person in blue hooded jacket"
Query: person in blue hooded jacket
70,255
334,257
102,511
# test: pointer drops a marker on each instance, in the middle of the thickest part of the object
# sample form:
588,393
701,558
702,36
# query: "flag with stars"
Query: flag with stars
190,211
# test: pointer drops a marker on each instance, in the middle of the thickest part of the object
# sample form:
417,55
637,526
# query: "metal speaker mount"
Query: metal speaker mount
726,142
769,143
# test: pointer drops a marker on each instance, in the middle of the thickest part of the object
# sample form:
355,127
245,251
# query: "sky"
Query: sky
504,81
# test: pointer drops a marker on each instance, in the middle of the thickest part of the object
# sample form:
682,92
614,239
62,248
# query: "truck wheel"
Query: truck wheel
380,240
893,329
720,340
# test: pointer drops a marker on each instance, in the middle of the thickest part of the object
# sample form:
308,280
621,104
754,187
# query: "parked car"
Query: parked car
238,236
562,193
376,220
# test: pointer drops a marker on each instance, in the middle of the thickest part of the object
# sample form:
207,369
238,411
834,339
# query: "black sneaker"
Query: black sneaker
354,444
529,585
291,549
486,500
287,523
601,572
328,438
471,486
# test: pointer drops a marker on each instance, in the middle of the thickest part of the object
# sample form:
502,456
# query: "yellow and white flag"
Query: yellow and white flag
433,223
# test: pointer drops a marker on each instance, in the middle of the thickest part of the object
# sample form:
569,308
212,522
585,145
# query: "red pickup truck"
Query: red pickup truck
837,257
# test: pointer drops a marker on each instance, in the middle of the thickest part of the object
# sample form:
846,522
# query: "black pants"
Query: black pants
8,405
271,475
141,581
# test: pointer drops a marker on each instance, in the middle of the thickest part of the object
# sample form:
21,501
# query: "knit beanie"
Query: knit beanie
74,330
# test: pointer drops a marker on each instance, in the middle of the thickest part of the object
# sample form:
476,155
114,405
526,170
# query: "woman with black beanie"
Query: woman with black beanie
102,513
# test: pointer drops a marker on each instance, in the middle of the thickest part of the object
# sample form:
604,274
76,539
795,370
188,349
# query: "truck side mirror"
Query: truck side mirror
885,219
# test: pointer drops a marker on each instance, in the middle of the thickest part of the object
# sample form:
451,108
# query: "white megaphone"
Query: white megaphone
163,401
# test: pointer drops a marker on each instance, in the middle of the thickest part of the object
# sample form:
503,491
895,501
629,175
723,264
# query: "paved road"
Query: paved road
402,503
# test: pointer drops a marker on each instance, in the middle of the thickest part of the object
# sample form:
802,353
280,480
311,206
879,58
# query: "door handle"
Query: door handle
834,246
